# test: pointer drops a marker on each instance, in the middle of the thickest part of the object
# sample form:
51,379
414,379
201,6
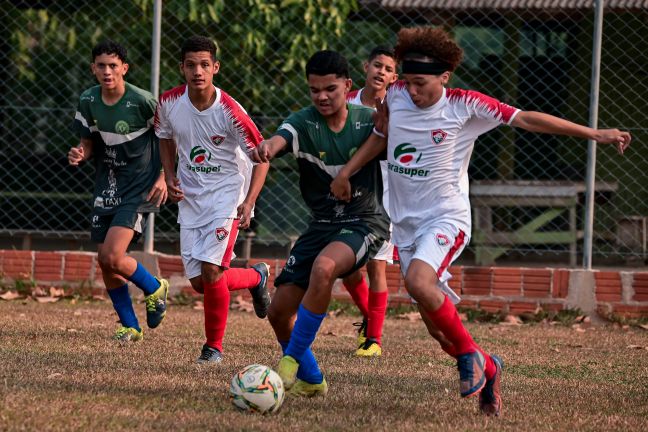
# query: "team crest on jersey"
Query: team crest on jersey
442,239
199,155
217,139
438,136
291,261
122,127
405,153
221,234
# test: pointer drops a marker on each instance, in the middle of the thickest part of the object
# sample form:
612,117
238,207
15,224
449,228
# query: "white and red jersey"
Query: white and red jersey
354,97
428,153
214,168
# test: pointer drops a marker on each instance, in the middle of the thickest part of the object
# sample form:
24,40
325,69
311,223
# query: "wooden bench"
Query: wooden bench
554,198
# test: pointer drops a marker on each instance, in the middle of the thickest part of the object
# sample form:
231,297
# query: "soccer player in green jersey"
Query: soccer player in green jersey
114,122
341,236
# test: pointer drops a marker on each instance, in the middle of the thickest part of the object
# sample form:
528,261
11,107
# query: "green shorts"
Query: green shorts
123,217
357,235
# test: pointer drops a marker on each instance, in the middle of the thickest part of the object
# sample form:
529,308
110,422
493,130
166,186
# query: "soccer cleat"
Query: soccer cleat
471,373
287,370
362,331
210,355
156,304
490,398
128,334
369,349
260,294
303,388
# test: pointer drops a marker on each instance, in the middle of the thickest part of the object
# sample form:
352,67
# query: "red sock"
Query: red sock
241,278
360,295
217,301
376,318
447,320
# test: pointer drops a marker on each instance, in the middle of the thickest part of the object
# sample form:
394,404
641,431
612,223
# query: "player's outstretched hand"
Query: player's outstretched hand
381,116
341,188
243,213
158,193
261,153
614,136
173,188
76,155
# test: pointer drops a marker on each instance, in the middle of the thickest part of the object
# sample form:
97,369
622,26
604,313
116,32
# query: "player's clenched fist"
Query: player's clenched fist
76,155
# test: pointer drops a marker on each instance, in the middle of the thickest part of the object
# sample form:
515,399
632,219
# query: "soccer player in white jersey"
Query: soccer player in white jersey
380,73
432,130
216,186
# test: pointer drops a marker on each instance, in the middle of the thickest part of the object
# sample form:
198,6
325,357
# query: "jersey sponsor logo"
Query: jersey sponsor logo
322,155
221,234
404,153
412,172
217,140
199,156
344,231
312,123
122,127
438,136
130,104
352,152
442,239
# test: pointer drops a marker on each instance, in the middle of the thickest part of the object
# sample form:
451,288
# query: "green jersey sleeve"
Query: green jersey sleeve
83,122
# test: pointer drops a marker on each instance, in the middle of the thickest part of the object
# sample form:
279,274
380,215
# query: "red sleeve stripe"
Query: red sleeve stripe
166,97
398,85
498,110
242,122
351,95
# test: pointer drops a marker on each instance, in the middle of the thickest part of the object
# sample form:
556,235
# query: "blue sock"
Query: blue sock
303,333
124,306
144,280
309,370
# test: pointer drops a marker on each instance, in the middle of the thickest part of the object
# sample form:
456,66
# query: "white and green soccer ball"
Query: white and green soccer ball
257,388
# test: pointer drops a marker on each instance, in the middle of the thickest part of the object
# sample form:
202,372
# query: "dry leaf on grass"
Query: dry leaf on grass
644,326
335,312
410,316
47,299
9,295
77,313
99,298
198,305
56,292
463,316
329,333
637,347
54,375
511,320
241,305
38,292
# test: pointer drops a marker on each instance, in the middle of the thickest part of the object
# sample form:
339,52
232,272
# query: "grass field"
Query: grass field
59,370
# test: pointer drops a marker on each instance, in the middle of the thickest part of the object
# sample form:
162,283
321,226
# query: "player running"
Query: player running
341,236
380,73
216,186
114,122
432,130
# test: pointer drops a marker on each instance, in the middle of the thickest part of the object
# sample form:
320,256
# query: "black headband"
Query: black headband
424,68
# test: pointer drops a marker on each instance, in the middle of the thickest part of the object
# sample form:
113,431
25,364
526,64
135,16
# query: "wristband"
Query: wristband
380,134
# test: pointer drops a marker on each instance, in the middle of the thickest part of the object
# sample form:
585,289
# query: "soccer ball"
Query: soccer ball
257,388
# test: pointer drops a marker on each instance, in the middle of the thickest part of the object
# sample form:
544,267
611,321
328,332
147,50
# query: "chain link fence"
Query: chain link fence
528,190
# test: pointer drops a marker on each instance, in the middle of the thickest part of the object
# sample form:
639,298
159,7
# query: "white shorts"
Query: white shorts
439,247
385,253
212,243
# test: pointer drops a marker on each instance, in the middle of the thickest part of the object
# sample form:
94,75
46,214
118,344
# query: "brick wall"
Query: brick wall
494,289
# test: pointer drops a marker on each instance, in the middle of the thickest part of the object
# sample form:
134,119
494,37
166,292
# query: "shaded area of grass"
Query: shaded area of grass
59,370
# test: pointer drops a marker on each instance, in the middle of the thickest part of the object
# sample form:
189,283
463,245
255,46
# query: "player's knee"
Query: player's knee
109,261
210,273
197,286
376,269
323,272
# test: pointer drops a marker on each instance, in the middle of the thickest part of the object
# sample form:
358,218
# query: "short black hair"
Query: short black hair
381,50
197,44
327,62
109,47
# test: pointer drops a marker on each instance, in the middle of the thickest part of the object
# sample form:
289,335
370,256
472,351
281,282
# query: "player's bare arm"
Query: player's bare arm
546,123
257,180
168,152
341,186
81,152
267,149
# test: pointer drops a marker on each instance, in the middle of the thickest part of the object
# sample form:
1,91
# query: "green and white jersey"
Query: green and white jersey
124,147
321,153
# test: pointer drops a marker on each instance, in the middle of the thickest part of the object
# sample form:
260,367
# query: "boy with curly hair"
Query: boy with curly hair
432,131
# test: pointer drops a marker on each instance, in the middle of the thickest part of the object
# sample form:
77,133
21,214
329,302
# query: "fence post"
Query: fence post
155,89
591,144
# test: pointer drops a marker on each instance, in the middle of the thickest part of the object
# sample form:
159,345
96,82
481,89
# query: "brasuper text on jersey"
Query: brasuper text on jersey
404,155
